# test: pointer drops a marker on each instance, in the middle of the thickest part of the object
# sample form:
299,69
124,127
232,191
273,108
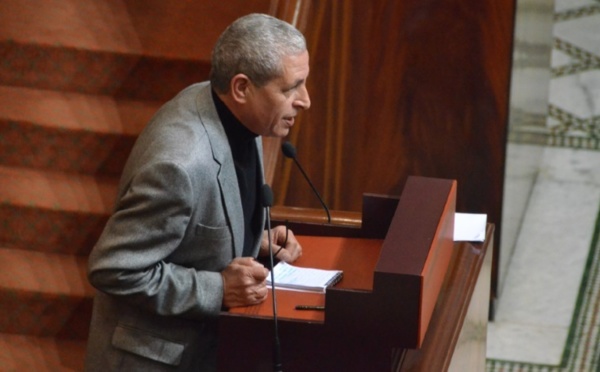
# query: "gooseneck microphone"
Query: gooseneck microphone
267,202
290,152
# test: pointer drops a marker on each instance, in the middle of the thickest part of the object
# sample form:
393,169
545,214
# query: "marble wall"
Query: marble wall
530,83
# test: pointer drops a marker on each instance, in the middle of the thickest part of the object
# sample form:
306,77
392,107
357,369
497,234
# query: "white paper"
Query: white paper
469,227
302,278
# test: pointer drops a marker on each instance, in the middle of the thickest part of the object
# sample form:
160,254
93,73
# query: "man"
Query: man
188,222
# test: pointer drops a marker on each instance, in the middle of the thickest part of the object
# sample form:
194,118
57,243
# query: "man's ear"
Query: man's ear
240,85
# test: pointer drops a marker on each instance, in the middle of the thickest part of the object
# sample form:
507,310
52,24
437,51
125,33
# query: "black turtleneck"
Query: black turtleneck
245,158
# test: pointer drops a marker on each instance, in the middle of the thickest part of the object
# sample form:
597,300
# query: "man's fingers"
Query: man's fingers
248,266
290,253
245,261
260,294
259,273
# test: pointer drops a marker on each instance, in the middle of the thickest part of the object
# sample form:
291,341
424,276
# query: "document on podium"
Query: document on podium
469,227
303,279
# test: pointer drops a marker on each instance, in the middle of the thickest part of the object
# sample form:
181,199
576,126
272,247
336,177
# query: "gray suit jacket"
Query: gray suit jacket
178,222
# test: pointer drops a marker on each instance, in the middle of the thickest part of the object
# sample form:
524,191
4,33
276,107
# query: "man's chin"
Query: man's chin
280,133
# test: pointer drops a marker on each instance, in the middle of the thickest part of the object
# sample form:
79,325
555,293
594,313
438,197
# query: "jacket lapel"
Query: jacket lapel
262,217
222,155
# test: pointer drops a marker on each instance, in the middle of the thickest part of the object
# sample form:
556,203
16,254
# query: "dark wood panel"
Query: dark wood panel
403,88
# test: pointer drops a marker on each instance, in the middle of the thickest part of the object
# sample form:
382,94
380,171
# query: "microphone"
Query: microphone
290,152
267,202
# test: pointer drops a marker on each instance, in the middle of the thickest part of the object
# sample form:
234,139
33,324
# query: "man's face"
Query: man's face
273,107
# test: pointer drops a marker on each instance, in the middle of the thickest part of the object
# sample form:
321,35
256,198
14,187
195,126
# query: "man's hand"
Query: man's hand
244,282
285,246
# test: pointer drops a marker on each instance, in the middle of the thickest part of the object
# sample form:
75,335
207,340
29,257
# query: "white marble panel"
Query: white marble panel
583,32
562,5
538,298
560,59
543,276
571,165
578,94
521,172
545,271
529,91
525,343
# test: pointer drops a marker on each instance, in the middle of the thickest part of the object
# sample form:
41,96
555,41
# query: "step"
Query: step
53,211
44,294
41,354
87,71
183,30
67,45
69,132
63,68
101,26
126,49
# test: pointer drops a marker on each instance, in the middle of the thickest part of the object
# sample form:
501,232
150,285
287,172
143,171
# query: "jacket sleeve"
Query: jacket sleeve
149,223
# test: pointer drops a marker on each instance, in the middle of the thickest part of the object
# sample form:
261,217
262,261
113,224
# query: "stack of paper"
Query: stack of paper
303,279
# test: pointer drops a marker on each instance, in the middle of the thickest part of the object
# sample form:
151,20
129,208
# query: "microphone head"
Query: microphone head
266,196
288,150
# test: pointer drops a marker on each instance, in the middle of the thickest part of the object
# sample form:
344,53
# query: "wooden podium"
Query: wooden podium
402,304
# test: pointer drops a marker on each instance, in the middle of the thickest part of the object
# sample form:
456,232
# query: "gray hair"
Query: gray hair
253,45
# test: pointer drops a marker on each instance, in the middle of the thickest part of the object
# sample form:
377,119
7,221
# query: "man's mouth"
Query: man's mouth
289,120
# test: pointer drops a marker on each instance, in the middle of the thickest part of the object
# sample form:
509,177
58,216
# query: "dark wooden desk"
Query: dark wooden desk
411,298
455,339
355,257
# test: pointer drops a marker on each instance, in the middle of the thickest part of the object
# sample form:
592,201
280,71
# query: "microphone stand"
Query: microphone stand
290,152
268,201
314,190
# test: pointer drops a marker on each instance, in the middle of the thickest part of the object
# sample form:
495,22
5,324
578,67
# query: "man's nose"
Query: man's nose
303,101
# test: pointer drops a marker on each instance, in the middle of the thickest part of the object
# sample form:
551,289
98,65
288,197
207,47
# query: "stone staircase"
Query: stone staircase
78,81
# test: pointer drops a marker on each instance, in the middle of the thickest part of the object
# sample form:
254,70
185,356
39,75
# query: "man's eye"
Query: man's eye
294,87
